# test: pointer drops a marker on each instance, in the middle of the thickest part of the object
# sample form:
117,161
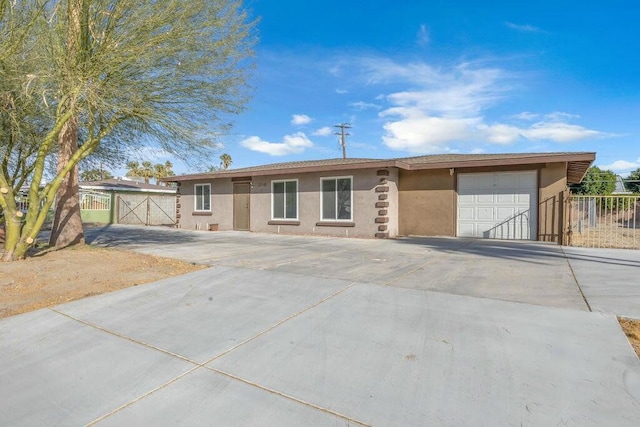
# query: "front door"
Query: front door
241,204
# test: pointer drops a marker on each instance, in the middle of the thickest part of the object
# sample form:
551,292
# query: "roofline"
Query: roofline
525,159
275,171
137,190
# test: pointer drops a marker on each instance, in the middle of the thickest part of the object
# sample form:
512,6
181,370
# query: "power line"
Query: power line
343,135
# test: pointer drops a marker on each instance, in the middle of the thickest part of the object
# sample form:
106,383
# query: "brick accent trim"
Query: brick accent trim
382,189
178,206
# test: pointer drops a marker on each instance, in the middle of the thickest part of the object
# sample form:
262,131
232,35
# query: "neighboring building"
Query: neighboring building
502,196
126,201
620,187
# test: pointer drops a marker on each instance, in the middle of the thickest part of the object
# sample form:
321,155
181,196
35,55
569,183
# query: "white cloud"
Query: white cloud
559,132
544,130
622,165
499,133
361,105
300,119
446,106
291,144
422,38
335,70
560,116
523,27
418,133
341,91
526,116
323,131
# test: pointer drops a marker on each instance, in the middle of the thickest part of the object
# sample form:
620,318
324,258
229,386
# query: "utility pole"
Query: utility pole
343,135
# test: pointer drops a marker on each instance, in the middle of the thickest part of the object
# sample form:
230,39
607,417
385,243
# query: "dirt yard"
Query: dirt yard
51,278
631,328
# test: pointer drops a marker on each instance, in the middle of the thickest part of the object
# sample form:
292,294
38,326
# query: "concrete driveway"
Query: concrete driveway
534,273
286,330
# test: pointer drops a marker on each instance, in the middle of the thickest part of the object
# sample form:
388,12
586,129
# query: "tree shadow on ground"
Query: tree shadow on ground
123,236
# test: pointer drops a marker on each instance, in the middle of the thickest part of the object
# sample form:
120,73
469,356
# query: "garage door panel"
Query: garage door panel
503,214
484,198
467,229
484,213
506,198
480,181
524,199
500,205
466,213
505,180
466,199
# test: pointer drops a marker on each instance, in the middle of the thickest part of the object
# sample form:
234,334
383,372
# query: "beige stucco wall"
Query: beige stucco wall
364,200
221,205
552,221
427,203
364,205
428,200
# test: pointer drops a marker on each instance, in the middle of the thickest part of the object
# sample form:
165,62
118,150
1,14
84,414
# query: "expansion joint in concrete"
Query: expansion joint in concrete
575,279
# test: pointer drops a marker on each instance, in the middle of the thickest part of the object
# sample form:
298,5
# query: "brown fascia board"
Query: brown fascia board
525,160
283,171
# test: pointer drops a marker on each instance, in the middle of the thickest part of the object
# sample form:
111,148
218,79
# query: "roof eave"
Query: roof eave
577,166
526,160
283,171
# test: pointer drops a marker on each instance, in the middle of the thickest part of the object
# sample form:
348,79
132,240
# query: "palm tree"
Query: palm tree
145,170
163,170
225,161
95,175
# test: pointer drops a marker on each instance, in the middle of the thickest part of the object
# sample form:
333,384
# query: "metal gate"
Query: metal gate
604,221
144,209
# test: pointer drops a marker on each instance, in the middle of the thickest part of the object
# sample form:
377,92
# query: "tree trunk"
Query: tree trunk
67,224
14,248
11,236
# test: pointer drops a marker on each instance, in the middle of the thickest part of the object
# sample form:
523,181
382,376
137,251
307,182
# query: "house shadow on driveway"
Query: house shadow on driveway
606,278
525,272
526,251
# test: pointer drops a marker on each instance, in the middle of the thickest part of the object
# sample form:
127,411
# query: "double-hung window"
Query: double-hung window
202,194
284,200
336,201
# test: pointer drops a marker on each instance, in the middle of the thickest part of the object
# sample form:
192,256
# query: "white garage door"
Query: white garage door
499,205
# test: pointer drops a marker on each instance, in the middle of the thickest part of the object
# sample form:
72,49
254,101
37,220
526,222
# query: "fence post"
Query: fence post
148,221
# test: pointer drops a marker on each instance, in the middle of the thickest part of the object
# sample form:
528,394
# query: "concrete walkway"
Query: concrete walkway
270,339
609,278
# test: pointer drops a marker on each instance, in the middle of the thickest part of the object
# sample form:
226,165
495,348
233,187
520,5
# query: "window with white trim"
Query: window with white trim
337,195
284,199
202,193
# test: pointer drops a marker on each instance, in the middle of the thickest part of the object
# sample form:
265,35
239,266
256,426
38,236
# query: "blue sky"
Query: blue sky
424,77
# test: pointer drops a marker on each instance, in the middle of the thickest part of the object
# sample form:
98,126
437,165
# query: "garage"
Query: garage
498,205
